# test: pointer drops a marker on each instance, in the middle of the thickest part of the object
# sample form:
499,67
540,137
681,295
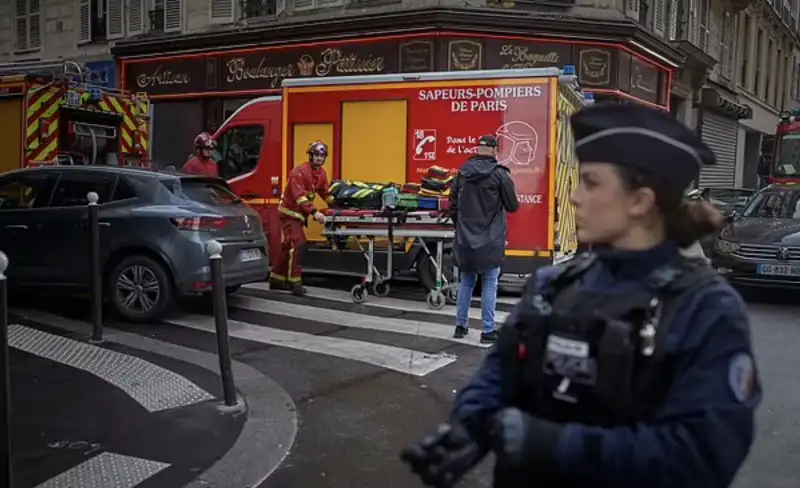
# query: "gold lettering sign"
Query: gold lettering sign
237,70
334,60
162,76
521,57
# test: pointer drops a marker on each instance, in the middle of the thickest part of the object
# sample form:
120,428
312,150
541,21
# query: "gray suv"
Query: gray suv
153,229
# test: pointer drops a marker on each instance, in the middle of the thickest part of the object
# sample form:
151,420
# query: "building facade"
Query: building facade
199,60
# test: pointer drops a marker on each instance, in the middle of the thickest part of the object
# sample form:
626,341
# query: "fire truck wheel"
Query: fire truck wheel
426,271
140,289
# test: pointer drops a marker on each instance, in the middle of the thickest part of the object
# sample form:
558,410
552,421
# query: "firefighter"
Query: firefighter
203,162
626,367
306,181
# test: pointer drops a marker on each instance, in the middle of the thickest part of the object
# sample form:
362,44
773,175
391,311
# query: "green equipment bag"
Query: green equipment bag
356,194
408,201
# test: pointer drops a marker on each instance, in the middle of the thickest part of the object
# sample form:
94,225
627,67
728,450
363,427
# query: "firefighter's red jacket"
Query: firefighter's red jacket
302,187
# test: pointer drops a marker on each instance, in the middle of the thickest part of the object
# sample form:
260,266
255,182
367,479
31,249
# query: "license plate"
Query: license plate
778,270
249,255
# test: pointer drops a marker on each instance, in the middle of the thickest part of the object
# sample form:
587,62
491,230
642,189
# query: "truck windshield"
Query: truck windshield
787,161
775,204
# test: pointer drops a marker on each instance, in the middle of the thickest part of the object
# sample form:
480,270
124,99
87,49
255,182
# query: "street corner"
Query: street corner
149,407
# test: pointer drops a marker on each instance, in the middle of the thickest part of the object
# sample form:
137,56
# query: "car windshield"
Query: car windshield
782,203
729,199
787,162
204,191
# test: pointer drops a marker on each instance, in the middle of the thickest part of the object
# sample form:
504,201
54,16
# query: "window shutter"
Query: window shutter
22,25
115,25
85,19
280,7
632,9
672,27
135,17
221,11
34,25
659,14
173,15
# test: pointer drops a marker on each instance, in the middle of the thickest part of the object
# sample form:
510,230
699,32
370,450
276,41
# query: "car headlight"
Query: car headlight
727,247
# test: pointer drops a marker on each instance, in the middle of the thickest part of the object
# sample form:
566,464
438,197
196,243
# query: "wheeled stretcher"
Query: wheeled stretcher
425,226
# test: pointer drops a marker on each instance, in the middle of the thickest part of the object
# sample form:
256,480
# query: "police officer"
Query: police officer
627,367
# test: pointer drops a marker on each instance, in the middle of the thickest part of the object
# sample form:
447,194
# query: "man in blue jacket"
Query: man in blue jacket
482,193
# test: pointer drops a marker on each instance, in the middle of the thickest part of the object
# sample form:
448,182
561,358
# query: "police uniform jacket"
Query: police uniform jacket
699,434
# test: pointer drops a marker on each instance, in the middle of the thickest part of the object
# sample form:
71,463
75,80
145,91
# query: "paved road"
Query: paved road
368,379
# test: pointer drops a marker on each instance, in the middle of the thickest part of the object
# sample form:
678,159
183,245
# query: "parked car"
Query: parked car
726,199
761,246
154,227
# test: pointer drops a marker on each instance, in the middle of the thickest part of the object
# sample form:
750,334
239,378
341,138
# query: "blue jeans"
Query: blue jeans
488,297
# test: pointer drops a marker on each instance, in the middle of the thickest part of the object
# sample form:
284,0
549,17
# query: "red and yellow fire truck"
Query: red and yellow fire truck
59,118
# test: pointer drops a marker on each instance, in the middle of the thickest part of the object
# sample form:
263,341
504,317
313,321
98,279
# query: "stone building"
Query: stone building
199,60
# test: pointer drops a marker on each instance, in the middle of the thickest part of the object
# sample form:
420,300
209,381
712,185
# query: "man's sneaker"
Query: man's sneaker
460,332
489,337
299,290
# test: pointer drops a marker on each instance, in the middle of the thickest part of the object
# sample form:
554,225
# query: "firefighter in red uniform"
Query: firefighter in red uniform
306,181
203,161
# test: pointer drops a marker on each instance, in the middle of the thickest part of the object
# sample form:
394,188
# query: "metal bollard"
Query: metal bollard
97,274
6,473
214,250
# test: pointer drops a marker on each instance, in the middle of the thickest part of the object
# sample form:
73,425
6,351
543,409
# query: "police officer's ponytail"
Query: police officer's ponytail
685,222
690,221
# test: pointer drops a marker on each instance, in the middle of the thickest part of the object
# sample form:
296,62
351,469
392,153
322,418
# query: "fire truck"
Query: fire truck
392,128
780,154
55,115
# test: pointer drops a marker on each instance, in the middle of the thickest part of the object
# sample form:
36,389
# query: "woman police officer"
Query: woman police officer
627,367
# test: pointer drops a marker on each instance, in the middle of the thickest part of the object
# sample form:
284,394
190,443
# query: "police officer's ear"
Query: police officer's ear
641,201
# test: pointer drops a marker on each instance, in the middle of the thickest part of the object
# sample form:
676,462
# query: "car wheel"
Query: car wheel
140,289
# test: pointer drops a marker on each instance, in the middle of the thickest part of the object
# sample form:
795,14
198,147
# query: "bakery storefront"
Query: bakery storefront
198,91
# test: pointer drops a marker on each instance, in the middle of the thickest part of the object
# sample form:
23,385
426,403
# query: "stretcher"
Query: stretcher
424,226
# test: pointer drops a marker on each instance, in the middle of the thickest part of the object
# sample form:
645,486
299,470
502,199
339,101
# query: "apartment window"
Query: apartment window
29,25
165,16
744,58
769,77
315,4
674,19
786,84
759,54
93,16
224,11
258,8
644,14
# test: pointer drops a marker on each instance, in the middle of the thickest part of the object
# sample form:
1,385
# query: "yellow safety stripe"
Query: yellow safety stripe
290,213
289,277
311,196
301,200
329,199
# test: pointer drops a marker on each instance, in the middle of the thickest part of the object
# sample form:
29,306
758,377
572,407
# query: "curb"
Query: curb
268,433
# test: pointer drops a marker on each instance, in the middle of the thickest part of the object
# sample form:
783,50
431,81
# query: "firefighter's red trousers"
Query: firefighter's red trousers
288,269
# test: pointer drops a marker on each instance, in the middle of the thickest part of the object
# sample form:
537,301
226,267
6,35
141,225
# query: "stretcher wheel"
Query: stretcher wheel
381,289
358,293
436,299
452,295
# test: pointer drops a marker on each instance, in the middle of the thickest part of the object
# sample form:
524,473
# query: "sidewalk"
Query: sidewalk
109,415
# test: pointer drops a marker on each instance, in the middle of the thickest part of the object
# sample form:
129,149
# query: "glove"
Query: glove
443,458
319,217
522,441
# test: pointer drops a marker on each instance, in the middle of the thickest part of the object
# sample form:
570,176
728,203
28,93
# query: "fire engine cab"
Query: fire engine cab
54,115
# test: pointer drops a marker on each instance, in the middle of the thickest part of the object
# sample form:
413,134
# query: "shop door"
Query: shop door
303,135
11,127
721,134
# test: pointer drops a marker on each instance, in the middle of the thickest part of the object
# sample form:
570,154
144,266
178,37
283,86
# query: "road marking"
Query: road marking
107,470
153,387
406,361
354,320
387,303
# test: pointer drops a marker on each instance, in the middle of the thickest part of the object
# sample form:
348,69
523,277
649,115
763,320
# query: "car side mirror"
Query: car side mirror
733,216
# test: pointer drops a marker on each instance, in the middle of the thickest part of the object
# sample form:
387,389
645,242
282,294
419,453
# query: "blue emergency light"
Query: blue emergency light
588,98
568,70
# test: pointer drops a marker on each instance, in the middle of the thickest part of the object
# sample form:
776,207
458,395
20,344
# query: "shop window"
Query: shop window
25,191
73,186
239,150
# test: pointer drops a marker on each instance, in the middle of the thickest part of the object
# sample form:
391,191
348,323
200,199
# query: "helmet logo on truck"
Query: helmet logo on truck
517,142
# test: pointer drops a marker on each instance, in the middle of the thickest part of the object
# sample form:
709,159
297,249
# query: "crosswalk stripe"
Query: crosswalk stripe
107,469
385,303
398,359
354,320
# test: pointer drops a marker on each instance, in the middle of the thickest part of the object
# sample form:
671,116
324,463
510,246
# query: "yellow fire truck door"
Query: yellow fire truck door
11,127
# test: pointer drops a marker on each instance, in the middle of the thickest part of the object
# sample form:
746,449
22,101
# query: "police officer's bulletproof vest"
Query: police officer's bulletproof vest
595,358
